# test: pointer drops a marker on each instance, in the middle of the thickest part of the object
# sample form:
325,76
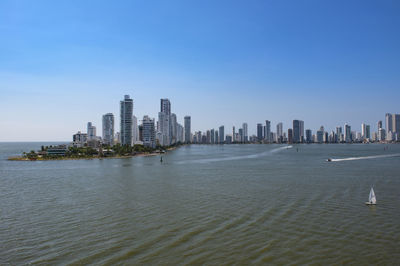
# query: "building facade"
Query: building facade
108,129
126,114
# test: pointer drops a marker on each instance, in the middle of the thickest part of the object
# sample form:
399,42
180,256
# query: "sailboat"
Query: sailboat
372,198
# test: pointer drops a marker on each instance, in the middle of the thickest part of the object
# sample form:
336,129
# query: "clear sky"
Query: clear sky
64,63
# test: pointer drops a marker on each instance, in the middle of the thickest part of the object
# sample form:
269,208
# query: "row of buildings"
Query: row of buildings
298,134
165,132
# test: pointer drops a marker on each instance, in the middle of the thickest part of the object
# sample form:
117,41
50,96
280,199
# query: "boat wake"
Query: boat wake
366,157
241,157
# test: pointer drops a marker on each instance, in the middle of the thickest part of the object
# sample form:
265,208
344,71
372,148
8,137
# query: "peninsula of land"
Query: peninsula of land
65,152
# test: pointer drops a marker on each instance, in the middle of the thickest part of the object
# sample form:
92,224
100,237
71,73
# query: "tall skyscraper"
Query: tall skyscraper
363,131
108,129
148,132
245,132
135,130
290,135
279,130
126,113
166,106
241,136
321,134
164,123
298,131
367,131
212,135
91,131
221,134
174,124
259,132
379,124
163,129
267,133
396,123
389,122
187,123
233,134
339,134
347,133
308,135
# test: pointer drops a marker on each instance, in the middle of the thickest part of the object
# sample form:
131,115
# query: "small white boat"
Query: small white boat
372,198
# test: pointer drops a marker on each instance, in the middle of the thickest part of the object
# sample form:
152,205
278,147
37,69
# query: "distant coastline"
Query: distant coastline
62,153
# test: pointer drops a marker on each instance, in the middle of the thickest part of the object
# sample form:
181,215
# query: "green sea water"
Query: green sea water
213,205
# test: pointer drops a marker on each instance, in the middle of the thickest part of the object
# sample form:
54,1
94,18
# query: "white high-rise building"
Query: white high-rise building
108,129
164,123
174,129
279,130
148,132
135,130
245,132
91,131
363,131
164,129
126,114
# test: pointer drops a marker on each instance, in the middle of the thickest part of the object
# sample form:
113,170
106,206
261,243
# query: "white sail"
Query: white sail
372,198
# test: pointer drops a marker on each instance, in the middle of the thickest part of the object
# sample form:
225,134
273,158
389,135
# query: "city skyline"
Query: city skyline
168,131
323,63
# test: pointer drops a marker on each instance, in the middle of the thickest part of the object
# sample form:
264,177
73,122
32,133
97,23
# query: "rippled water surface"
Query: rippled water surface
214,205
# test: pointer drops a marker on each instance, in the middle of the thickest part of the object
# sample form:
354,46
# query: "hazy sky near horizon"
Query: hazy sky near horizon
64,63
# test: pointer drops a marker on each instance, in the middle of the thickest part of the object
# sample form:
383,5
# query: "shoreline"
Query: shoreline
24,159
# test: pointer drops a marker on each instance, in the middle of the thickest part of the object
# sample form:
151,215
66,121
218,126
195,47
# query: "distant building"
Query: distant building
164,122
108,129
91,131
241,136
389,122
212,136
396,124
367,131
347,133
338,134
308,135
221,134
245,132
290,135
187,125
135,130
267,133
148,132
379,124
259,132
298,131
233,134
216,137
174,125
363,131
320,135
126,114
163,129
79,139
279,132
165,106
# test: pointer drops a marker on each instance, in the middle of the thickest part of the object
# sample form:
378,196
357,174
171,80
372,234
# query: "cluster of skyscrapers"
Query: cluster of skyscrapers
165,132
298,134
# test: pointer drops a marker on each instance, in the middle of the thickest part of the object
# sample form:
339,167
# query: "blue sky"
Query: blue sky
64,63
